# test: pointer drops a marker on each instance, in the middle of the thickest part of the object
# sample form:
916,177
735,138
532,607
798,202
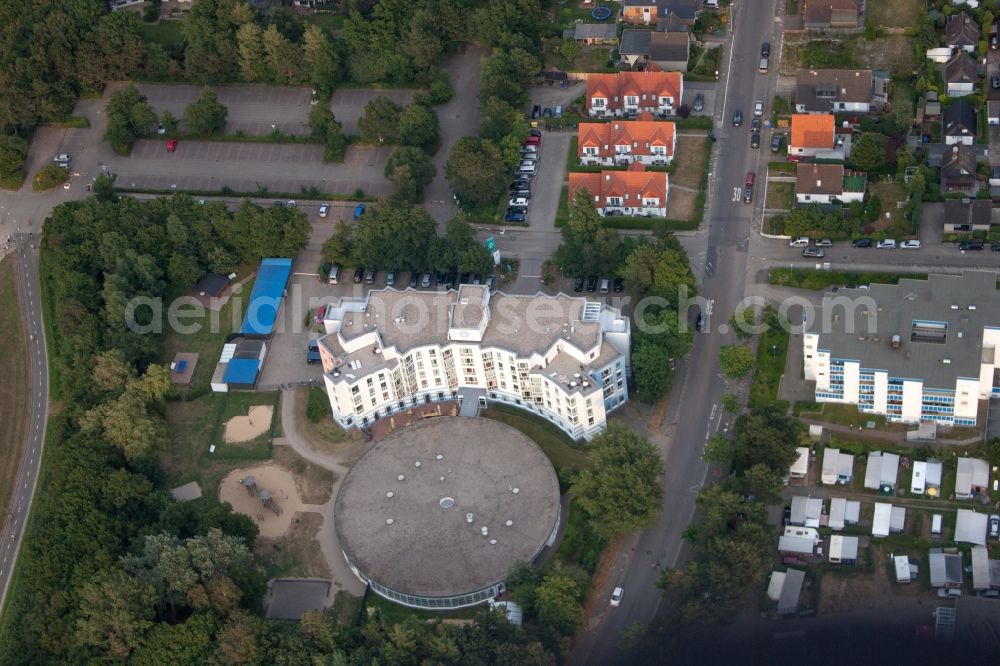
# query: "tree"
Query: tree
253,57
621,489
129,117
761,483
418,126
506,76
719,450
731,403
660,269
49,176
116,611
868,152
558,603
813,220
410,169
743,322
587,247
13,153
283,56
658,343
113,52
323,126
476,171
337,248
736,361
767,437
500,120
321,60
206,115
396,237
380,121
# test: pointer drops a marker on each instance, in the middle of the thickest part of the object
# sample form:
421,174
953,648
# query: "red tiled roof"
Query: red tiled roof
812,131
640,134
653,84
637,183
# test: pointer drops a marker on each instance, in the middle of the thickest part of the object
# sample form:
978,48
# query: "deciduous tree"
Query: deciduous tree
476,171
736,360
206,115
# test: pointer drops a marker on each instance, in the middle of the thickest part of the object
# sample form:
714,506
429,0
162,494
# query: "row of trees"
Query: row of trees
404,238
657,268
130,117
478,167
733,543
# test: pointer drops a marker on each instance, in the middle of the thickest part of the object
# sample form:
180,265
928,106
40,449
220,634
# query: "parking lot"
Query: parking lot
252,109
348,105
694,88
247,167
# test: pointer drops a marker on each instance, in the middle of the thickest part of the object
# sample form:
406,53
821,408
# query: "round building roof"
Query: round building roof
445,507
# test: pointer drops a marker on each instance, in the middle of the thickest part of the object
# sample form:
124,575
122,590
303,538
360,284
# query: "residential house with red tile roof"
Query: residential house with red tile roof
646,12
634,193
626,141
630,93
811,134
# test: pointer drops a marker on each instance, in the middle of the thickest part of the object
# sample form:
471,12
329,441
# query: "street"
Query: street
720,258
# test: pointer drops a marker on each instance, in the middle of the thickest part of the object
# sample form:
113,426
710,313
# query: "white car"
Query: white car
61,157
758,108
887,244
518,201
291,203
66,185
801,241
616,597
324,209
910,245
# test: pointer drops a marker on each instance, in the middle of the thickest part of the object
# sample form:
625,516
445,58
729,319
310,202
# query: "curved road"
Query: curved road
28,287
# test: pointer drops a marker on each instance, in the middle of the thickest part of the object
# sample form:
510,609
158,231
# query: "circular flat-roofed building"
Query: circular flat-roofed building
435,514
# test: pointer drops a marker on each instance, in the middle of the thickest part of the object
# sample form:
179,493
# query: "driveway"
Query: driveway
348,105
552,96
247,167
694,88
459,117
253,109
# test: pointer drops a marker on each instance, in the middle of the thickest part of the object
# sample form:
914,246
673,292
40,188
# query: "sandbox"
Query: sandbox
252,500
249,427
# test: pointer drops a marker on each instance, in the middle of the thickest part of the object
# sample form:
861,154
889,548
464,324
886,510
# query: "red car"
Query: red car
320,314
532,141
171,145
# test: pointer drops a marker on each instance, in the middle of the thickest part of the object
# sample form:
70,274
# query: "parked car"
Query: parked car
619,285
970,245
535,133
514,216
390,279
278,204
425,280
755,140
824,242
359,275
532,141
737,118
524,194
762,65
66,185
171,145
765,50
786,516
887,244
755,124
776,142
313,357
529,148
528,157
547,113
291,203
910,245
995,247
758,108
801,241
370,274
324,210
359,210
517,201
578,284
862,242
536,111
995,526
699,102
813,251
995,80
592,283
616,596
557,112
520,184
62,158
748,188
414,279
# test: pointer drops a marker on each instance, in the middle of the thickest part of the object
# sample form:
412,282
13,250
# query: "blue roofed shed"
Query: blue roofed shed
265,299
242,372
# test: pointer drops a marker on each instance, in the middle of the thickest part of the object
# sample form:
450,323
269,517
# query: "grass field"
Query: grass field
197,424
164,33
554,442
771,353
14,388
780,196
893,13
689,158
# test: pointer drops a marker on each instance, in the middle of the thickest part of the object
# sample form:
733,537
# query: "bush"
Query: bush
49,176
736,361
440,90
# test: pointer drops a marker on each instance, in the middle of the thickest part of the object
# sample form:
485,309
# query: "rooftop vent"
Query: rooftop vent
469,518
485,530
515,490
438,457
509,523
446,502
493,542
946,361
416,464
389,521
390,494
896,340
400,477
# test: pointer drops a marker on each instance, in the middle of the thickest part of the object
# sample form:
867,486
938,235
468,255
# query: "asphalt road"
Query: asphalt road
10,541
694,413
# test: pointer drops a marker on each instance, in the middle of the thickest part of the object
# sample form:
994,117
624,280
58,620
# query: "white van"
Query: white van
334,274
801,241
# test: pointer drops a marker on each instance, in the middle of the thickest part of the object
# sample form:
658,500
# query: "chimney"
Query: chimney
895,342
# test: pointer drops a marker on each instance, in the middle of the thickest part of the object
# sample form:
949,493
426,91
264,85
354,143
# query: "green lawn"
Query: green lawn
326,20
771,355
893,13
195,425
560,449
164,33
818,280
780,196
845,415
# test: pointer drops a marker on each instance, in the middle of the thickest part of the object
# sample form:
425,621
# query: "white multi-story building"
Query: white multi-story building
563,358
922,350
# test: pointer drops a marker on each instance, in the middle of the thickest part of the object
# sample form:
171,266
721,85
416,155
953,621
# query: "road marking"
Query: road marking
736,194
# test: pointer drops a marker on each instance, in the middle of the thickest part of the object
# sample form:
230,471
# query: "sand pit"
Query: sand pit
276,480
252,426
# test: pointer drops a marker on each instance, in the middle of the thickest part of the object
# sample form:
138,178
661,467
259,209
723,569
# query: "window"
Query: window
614,201
598,102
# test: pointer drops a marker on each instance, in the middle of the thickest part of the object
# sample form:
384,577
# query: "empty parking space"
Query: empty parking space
252,109
348,105
248,167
